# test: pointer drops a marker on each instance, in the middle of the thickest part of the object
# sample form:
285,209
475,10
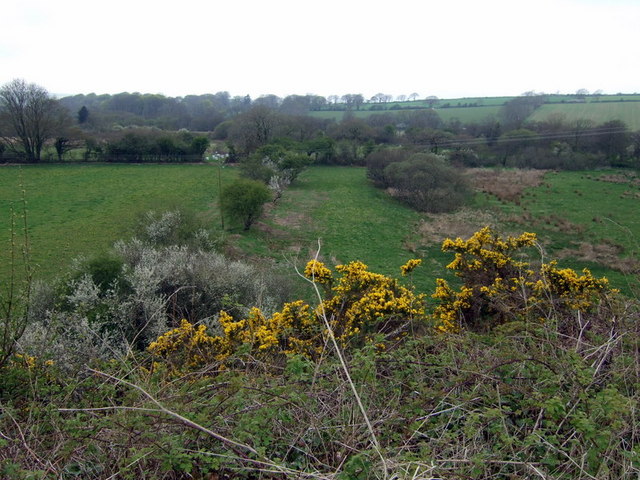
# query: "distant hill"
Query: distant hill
599,108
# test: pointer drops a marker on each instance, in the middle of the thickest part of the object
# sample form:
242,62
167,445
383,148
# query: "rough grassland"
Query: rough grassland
585,218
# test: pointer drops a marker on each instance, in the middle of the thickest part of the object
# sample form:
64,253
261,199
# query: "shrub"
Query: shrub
176,226
428,184
361,307
497,288
132,295
378,161
243,200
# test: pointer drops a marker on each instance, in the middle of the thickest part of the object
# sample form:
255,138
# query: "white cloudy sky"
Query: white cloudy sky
447,48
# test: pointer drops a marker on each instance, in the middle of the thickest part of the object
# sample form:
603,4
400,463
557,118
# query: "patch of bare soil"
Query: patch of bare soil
552,222
438,227
607,254
629,178
506,185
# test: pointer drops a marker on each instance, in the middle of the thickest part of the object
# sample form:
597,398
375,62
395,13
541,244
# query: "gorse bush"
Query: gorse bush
145,287
360,307
519,371
497,288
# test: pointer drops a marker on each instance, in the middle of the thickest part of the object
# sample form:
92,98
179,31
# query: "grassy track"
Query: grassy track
352,220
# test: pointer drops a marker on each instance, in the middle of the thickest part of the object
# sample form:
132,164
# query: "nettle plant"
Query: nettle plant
498,287
360,307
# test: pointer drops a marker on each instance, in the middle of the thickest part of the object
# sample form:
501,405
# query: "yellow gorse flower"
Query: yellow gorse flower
497,287
410,266
359,304
317,272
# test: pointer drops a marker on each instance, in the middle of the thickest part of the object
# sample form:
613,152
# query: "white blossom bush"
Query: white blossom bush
148,288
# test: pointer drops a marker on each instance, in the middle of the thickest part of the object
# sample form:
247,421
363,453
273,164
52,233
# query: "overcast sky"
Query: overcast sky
446,48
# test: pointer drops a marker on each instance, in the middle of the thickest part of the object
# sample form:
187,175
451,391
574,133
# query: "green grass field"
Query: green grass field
82,210
464,114
469,114
336,210
600,109
628,112
585,219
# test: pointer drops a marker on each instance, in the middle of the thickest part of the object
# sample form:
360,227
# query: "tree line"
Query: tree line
145,127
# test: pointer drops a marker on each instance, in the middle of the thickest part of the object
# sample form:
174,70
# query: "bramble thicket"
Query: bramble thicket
513,368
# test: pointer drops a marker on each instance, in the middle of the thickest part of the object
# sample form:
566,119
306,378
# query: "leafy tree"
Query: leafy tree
296,104
421,119
83,115
32,116
243,200
321,148
276,164
62,145
199,145
612,139
270,101
130,148
515,112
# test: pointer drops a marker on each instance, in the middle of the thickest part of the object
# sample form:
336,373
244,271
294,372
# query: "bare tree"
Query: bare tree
353,100
253,128
580,128
31,116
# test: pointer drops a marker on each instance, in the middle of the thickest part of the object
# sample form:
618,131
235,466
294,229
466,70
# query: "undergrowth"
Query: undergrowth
364,384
